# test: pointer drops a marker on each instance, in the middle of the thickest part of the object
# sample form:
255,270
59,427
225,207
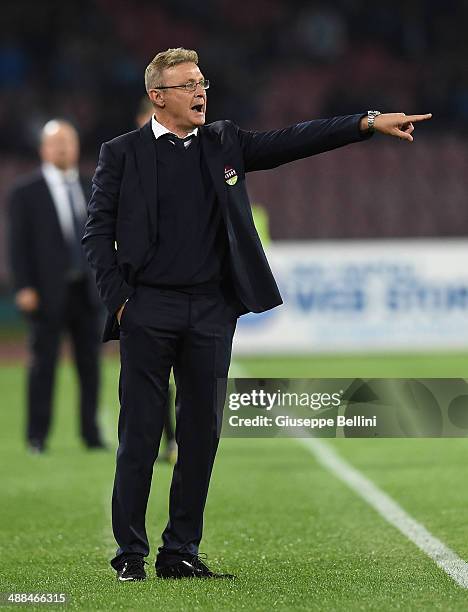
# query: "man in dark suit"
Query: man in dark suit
171,238
53,284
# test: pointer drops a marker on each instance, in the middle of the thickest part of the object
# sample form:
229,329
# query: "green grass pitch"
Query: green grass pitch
297,538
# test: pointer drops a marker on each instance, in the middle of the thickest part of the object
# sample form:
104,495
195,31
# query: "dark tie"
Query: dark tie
77,260
180,143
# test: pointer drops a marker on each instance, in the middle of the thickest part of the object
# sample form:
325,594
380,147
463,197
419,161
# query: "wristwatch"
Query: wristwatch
371,115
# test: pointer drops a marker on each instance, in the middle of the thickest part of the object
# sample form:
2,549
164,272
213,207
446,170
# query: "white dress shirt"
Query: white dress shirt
56,181
159,130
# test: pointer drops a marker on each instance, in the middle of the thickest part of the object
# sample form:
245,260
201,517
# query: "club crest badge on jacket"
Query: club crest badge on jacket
230,175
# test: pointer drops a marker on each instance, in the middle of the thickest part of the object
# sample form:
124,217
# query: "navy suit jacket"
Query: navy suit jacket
122,227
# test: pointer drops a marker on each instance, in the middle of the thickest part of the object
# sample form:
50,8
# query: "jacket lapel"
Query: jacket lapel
213,152
147,171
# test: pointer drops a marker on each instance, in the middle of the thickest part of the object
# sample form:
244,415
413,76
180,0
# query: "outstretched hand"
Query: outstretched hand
396,124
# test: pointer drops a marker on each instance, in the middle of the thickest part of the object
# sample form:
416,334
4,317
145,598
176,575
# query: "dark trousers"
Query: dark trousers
160,330
168,426
83,324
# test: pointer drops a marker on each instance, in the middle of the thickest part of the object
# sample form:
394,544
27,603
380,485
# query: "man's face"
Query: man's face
60,146
185,109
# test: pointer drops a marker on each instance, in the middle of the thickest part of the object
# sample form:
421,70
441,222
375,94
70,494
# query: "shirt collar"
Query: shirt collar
55,175
159,129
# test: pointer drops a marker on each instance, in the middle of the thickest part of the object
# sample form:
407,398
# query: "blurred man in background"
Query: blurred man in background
53,285
188,263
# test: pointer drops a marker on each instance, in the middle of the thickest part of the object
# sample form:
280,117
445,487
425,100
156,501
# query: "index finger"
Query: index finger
414,118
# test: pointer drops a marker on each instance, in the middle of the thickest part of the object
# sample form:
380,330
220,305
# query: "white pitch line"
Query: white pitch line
390,510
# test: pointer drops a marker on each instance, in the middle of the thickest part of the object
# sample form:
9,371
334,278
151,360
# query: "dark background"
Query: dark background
271,63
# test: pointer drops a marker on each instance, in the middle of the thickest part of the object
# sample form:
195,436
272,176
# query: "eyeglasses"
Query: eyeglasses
190,86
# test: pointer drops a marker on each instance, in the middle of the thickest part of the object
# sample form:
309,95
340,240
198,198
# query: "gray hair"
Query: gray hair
166,59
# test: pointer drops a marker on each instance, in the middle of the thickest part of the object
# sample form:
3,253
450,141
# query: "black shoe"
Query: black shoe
132,570
191,567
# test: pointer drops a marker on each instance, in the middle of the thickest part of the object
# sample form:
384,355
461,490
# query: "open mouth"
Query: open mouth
199,108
